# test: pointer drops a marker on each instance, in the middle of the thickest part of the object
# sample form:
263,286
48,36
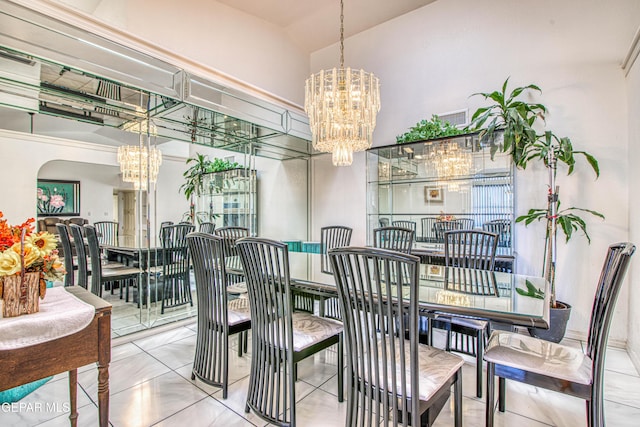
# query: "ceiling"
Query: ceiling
296,17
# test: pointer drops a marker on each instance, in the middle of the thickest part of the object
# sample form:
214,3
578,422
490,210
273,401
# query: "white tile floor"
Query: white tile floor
150,385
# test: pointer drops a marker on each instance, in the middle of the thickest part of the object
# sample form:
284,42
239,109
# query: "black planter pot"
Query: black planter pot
559,317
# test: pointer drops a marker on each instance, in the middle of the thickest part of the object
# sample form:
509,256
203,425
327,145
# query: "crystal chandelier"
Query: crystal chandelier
136,161
342,105
450,161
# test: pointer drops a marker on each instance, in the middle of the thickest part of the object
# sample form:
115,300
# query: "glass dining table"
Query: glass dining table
481,294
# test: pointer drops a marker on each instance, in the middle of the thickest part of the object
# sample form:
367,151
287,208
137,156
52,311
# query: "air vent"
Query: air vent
457,118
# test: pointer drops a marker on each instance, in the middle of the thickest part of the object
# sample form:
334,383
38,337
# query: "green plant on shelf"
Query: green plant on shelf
429,129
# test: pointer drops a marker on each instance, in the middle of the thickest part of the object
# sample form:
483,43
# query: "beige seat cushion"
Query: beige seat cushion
309,329
435,368
539,356
238,311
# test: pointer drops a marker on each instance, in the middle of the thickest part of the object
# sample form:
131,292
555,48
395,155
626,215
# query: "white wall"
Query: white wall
453,49
633,97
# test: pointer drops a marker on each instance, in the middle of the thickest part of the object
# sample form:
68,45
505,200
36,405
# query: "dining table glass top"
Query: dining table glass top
478,293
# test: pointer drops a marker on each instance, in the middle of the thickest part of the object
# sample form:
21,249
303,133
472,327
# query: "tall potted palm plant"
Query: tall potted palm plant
524,140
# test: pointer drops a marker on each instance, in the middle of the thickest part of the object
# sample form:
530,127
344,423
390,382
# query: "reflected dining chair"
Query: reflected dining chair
174,279
69,265
280,337
502,227
81,255
230,235
411,225
392,379
100,274
471,249
218,317
441,227
107,232
331,237
556,367
207,227
394,238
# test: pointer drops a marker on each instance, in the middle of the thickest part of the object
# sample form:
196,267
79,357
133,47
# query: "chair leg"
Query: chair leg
490,394
240,345
502,394
341,369
457,395
479,355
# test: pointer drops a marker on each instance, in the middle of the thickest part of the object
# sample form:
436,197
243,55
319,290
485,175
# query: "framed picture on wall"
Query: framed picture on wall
433,194
58,198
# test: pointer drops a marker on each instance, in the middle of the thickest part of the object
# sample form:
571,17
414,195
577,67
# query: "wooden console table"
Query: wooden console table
91,344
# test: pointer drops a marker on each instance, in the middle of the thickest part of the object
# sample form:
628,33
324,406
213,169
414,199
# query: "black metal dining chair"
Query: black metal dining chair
502,227
428,231
557,367
176,284
218,316
469,249
67,253
393,380
280,336
100,275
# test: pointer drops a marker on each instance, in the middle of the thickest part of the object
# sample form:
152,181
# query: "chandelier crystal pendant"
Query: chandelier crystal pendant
139,165
342,105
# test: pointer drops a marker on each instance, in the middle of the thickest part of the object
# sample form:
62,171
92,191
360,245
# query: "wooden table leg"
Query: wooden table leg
73,397
103,394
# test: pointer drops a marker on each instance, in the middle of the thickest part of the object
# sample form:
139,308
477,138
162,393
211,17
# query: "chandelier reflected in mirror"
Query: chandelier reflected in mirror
139,165
342,104
448,160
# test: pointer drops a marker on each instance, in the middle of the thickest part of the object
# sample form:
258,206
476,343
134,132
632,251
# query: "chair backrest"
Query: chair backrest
440,227
266,268
78,242
94,256
394,238
207,227
374,330
428,230
614,269
230,235
107,232
63,234
210,275
502,227
334,236
175,253
411,225
384,222
470,249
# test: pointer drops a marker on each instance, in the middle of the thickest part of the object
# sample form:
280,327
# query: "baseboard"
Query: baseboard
581,336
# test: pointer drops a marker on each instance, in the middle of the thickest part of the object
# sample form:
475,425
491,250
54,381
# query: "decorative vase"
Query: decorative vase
21,294
558,319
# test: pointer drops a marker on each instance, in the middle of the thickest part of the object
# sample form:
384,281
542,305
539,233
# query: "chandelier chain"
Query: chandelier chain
341,33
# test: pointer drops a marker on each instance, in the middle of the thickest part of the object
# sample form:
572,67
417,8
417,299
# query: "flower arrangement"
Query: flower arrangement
445,217
22,250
